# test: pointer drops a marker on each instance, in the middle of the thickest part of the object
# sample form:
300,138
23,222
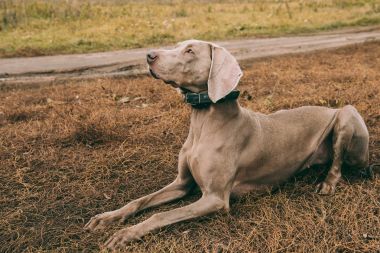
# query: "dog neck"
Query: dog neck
203,107
223,111
202,100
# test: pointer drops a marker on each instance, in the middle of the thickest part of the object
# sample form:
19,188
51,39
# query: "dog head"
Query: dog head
196,66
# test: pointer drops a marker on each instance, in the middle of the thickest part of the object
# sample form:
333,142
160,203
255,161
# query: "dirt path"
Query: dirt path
32,70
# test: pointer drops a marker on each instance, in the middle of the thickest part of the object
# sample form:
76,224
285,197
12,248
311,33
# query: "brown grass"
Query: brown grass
68,152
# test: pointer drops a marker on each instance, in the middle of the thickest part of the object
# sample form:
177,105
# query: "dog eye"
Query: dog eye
189,50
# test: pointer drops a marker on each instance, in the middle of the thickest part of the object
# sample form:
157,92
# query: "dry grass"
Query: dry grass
43,27
71,151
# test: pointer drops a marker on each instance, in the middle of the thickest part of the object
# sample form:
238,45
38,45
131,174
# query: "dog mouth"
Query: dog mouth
156,76
153,74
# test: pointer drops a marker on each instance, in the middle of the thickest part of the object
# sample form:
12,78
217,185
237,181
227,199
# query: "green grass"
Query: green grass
42,27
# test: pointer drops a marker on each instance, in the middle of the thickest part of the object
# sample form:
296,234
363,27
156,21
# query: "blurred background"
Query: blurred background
45,27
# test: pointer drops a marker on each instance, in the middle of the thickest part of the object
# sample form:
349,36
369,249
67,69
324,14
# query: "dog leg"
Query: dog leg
207,204
173,191
177,189
327,187
342,135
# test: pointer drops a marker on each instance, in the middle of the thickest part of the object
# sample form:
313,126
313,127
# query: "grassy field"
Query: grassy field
68,152
44,27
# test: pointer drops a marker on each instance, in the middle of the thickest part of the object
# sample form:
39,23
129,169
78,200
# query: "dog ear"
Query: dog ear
224,75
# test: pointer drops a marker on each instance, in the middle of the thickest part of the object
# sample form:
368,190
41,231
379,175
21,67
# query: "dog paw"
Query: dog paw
324,188
100,221
121,238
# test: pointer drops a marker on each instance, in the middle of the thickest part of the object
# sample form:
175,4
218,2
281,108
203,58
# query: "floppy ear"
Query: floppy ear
224,74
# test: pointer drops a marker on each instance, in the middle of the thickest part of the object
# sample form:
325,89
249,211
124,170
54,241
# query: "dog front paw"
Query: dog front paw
121,238
100,221
324,188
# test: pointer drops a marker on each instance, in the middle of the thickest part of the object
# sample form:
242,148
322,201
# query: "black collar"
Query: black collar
202,100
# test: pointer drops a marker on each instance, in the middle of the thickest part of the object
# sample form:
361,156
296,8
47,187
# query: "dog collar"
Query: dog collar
200,100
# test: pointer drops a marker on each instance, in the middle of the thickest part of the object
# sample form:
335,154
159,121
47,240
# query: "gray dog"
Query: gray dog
230,150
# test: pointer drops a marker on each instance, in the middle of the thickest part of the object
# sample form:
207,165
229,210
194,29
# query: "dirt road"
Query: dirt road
44,69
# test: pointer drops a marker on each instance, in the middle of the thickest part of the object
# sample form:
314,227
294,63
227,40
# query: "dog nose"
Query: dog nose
151,57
